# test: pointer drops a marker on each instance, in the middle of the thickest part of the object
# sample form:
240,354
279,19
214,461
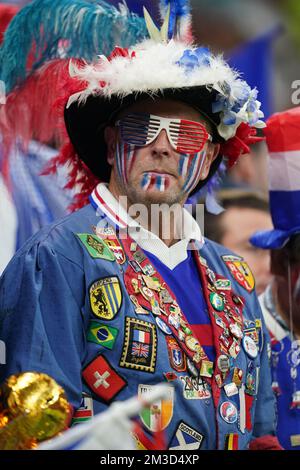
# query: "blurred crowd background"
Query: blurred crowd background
261,38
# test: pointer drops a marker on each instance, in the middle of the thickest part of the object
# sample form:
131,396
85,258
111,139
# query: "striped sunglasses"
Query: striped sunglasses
141,129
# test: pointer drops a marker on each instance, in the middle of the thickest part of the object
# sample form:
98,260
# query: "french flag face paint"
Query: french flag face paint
125,157
189,167
154,180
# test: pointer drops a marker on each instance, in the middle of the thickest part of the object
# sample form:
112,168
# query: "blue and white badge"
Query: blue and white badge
228,412
163,326
250,347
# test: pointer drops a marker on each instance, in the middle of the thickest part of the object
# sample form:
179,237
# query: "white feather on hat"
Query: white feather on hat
152,67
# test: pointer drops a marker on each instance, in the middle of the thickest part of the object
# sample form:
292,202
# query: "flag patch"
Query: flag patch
186,438
140,343
101,334
85,410
158,415
102,379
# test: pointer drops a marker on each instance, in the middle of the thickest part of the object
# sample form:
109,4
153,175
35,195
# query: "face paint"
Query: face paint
153,180
189,168
146,181
125,157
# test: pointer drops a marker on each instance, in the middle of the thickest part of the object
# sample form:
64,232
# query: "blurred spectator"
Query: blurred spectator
250,170
8,220
281,300
245,212
27,201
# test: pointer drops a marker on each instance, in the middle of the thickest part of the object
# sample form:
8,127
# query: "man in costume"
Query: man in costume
281,300
108,303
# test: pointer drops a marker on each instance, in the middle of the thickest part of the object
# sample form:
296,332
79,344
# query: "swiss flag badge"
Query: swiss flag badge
102,379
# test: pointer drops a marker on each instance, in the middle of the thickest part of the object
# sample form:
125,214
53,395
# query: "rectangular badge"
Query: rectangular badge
85,410
140,344
295,440
96,246
102,379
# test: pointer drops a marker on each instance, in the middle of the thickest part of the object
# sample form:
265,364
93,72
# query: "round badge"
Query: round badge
228,412
163,326
192,343
236,330
250,347
216,301
223,363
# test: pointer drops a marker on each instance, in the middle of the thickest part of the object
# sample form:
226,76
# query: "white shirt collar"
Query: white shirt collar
169,256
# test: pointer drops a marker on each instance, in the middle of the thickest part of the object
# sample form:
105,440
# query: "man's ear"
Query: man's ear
211,154
110,135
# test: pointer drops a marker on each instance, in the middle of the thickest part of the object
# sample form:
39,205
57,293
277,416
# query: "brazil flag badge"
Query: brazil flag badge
102,334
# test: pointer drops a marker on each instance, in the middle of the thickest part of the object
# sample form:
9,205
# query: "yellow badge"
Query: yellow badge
106,297
295,440
240,271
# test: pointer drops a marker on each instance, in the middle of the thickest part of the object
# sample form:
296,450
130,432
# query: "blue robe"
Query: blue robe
65,311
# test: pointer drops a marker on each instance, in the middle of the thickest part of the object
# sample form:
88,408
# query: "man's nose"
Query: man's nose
161,146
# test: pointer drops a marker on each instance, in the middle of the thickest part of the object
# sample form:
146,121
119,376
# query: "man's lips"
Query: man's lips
159,173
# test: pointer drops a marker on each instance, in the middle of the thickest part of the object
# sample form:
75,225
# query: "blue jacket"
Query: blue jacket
65,309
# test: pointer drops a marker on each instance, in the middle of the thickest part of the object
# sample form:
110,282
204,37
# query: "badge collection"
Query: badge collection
152,298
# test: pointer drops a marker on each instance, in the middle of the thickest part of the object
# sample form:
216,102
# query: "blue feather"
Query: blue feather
89,29
180,9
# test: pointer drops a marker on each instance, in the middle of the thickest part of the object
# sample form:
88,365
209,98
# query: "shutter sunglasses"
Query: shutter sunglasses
141,129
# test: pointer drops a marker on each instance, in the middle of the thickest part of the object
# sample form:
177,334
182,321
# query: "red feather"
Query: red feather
35,110
7,12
